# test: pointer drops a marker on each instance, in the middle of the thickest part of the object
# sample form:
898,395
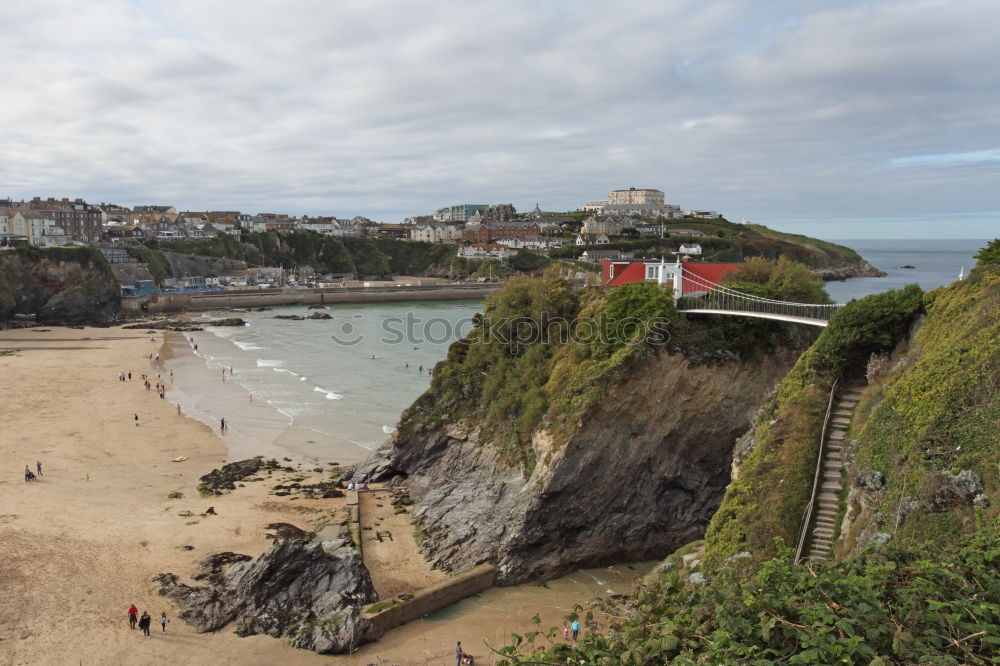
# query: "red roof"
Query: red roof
617,273
710,272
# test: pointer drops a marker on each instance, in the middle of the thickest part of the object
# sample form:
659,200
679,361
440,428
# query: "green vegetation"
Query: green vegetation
542,353
782,279
380,606
729,242
364,257
932,415
175,495
154,261
767,500
989,255
935,605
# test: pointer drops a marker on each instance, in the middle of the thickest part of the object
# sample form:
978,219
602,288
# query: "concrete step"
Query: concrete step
832,464
840,421
831,498
836,434
831,487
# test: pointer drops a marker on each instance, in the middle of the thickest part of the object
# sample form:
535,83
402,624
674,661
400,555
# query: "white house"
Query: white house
592,239
689,249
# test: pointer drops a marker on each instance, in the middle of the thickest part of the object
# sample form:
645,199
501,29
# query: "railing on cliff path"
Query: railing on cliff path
719,299
807,516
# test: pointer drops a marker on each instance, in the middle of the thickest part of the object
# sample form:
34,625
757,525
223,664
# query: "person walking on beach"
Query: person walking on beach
576,628
136,420
27,474
458,653
144,623
38,467
164,621
222,424
132,613
130,376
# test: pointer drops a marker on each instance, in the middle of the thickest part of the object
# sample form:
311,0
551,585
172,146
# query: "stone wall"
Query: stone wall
432,598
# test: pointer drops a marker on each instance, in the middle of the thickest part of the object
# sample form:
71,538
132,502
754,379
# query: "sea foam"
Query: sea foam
330,395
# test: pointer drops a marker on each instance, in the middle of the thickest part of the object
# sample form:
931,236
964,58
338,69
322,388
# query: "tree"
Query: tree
989,255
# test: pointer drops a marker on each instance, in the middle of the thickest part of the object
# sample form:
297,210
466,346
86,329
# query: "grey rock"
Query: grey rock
640,477
309,592
870,479
697,578
981,500
946,490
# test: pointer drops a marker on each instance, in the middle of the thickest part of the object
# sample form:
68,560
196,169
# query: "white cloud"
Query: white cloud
384,108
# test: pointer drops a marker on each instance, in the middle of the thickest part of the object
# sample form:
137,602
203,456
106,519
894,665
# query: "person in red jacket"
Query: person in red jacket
132,613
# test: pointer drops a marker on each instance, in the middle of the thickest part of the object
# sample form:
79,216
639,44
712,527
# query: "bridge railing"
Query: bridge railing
720,297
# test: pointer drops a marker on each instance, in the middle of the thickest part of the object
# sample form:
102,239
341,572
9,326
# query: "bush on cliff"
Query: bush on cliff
935,605
989,255
542,353
783,279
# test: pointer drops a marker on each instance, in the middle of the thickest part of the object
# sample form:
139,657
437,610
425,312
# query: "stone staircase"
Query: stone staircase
828,495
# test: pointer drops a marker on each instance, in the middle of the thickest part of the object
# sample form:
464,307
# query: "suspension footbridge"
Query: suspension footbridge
698,295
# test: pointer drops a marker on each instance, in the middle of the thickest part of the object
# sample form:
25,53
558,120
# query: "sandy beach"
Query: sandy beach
81,544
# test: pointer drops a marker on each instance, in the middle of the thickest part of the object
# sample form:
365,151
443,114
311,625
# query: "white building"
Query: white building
436,232
37,228
484,251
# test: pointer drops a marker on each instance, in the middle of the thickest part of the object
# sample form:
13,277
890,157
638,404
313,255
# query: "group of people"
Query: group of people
145,621
31,476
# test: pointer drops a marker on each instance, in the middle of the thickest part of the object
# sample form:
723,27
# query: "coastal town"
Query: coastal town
477,231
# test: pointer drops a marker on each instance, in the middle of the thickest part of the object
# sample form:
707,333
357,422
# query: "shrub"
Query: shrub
935,605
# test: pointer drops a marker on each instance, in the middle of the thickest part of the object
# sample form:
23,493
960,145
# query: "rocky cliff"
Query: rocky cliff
642,474
58,286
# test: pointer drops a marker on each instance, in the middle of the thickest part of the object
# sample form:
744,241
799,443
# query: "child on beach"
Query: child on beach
164,621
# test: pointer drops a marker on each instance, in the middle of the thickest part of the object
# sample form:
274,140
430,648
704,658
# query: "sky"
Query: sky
838,118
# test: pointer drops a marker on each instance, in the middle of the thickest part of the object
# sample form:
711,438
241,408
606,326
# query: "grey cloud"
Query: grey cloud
395,108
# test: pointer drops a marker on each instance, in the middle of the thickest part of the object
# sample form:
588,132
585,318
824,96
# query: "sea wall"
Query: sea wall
217,300
414,605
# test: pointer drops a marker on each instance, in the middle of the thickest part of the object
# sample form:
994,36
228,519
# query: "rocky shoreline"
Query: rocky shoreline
857,269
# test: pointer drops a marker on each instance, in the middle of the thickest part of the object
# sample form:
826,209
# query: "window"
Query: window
653,272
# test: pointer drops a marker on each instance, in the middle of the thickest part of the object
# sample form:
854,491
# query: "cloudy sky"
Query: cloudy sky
835,118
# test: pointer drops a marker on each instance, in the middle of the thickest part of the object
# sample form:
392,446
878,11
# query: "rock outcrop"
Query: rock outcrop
310,592
58,286
857,269
643,473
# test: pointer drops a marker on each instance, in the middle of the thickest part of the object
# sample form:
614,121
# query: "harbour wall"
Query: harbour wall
219,300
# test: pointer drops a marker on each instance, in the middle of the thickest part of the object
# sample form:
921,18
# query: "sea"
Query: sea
332,390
